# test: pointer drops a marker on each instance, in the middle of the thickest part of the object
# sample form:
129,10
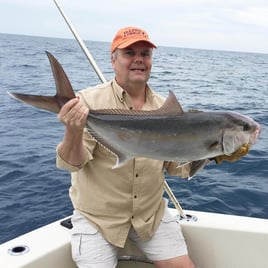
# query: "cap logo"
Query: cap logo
134,31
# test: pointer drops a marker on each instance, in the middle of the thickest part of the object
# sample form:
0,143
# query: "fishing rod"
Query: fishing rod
82,44
103,80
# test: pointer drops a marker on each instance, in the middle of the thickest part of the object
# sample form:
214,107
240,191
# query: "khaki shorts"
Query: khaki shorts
90,249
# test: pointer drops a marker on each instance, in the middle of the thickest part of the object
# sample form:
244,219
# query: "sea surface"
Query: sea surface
33,192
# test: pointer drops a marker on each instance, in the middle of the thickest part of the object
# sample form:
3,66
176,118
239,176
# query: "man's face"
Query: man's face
132,65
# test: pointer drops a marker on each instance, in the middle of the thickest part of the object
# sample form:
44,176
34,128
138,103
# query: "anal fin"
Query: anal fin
121,159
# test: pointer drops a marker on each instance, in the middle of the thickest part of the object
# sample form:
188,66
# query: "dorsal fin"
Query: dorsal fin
171,106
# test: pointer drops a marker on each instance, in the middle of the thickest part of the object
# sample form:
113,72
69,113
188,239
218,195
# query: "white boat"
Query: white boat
214,241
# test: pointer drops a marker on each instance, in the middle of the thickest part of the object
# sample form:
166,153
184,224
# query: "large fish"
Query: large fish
168,133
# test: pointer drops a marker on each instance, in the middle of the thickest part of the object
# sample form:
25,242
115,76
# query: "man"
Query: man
113,204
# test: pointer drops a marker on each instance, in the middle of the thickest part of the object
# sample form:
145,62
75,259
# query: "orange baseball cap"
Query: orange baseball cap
128,36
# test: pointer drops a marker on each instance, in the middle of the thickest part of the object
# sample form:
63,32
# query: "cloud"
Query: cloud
257,16
189,23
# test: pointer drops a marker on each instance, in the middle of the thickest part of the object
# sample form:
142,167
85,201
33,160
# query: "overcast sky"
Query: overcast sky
237,25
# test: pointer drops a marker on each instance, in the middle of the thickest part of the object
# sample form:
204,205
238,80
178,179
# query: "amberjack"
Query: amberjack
168,133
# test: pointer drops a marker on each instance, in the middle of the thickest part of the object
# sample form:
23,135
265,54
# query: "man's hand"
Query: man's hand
242,151
74,114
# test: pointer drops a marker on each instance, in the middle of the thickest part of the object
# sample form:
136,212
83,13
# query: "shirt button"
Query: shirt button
137,175
132,217
135,196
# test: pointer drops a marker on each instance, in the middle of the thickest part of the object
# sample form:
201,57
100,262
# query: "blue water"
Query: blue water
33,192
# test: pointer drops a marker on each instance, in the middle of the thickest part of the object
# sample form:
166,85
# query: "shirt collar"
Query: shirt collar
119,91
121,94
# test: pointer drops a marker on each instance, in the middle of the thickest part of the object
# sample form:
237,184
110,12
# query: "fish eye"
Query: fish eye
246,127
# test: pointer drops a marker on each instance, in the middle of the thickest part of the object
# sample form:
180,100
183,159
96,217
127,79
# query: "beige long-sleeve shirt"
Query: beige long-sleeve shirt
113,200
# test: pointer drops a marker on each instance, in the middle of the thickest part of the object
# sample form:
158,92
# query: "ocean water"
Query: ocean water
33,192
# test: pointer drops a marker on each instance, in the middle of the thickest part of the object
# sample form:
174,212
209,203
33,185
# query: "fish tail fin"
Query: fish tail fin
64,90
41,102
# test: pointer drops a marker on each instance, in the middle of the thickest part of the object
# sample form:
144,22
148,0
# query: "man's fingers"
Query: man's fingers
74,114
68,106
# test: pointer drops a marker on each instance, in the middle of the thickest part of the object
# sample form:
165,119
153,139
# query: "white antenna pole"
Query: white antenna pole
82,44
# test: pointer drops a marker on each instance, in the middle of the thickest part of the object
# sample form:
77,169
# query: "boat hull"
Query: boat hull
214,241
